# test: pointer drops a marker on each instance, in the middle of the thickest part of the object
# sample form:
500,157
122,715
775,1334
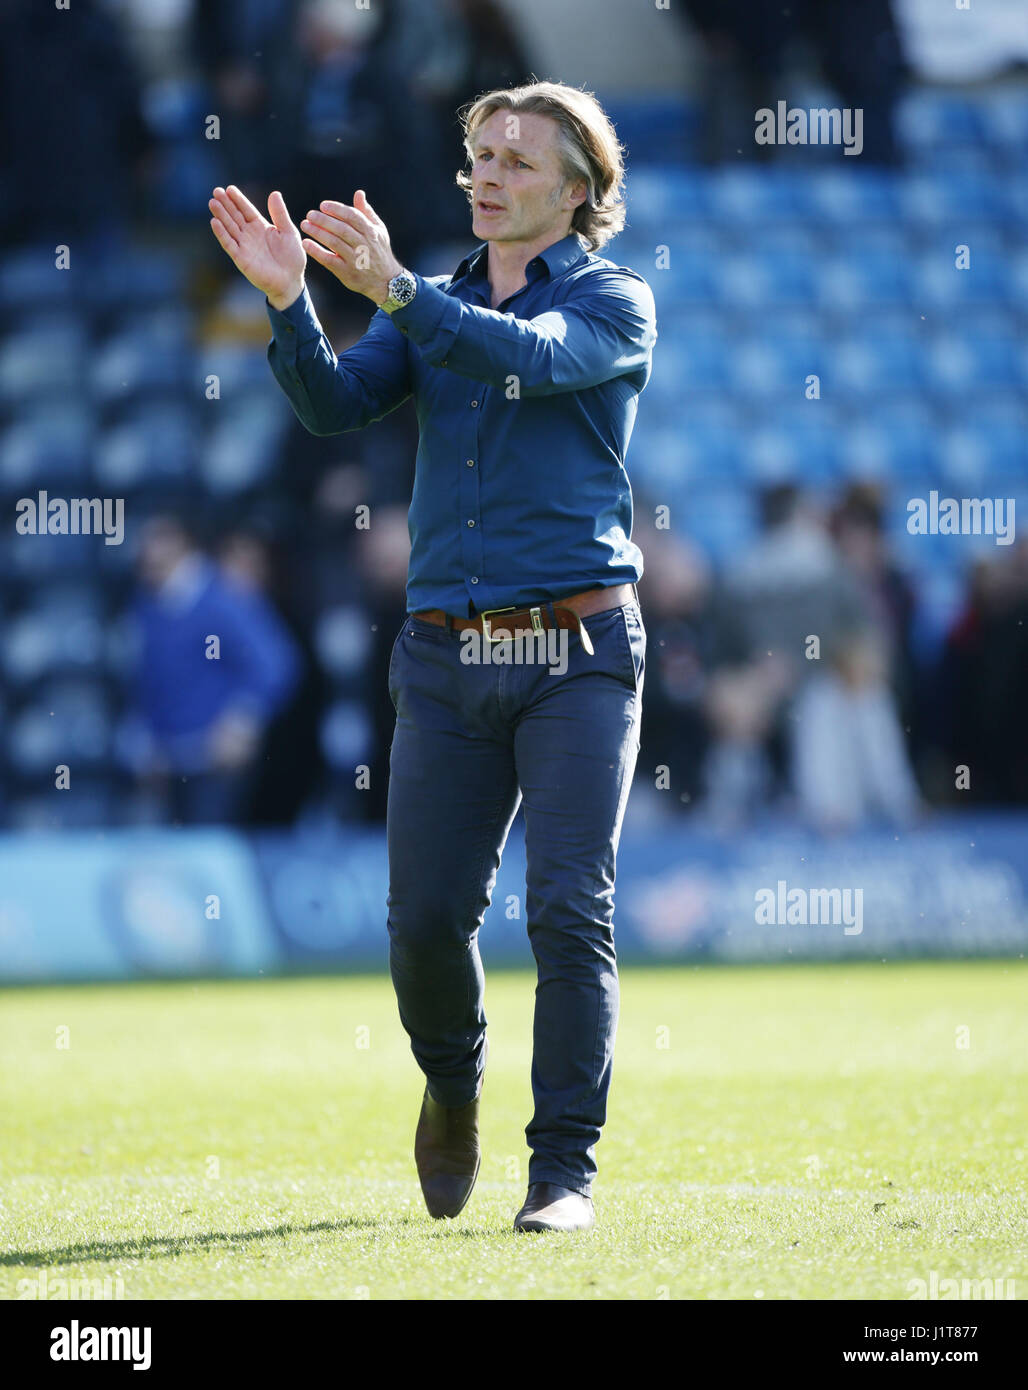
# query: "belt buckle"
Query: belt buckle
485,616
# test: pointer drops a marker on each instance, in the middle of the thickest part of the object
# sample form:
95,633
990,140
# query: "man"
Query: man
526,366
215,665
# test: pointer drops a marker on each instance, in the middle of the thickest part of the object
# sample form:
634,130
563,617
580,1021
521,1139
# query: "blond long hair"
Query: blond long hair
588,144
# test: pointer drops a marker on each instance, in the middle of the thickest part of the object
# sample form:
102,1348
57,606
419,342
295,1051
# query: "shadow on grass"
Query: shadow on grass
163,1247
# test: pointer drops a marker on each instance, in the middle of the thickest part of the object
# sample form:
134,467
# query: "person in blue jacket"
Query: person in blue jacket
214,663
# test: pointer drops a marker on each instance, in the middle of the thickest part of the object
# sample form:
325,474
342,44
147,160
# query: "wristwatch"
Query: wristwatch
402,289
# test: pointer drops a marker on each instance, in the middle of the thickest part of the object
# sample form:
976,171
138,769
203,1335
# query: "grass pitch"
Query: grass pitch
793,1132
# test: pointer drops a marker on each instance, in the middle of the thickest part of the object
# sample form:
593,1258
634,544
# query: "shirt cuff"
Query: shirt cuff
431,319
295,325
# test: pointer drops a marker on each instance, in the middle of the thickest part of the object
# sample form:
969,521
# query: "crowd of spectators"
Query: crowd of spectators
787,678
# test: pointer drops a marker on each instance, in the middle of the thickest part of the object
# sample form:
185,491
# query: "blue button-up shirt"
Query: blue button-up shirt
525,413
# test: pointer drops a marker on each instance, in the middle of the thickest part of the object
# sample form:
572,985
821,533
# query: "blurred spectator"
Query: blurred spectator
800,674
675,596
858,527
383,557
750,49
484,51
215,664
288,763
74,142
362,124
982,684
248,52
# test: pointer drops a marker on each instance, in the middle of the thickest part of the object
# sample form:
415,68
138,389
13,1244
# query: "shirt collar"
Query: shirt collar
552,260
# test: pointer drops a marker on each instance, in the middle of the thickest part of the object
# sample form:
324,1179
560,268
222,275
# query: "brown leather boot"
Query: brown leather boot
447,1153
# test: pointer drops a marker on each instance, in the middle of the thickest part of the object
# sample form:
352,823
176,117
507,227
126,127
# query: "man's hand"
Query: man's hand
352,243
269,254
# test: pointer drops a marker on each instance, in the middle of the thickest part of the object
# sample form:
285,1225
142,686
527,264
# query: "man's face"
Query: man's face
162,548
517,184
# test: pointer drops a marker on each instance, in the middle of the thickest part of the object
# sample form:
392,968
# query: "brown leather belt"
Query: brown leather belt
534,617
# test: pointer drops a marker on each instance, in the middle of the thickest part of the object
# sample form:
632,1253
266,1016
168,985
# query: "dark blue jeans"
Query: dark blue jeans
471,740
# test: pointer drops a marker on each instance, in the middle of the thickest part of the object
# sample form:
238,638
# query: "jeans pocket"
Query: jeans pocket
390,678
630,638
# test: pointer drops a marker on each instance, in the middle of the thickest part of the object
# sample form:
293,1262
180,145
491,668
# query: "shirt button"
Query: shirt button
471,523
473,404
471,463
474,579
443,362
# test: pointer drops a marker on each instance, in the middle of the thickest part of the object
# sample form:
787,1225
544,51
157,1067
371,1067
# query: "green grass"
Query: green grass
807,1132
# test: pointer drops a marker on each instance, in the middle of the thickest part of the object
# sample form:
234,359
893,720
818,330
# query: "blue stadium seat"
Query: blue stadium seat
987,447
864,279
962,362
237,367
777,365
29,279
841,196
898,439
658,195
153,354
924,118
45,358
1018,281
712,434
756,279
243,446
781,453
136,279
752,196
939,285
46,444
722,521
156,444
952,199
692,362
48,637
1003,117
70,723
691,278
869,368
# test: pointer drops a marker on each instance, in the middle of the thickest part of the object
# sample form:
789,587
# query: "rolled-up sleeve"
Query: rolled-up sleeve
604,330
331,394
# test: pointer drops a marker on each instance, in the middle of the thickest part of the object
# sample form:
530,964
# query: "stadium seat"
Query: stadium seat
864,279
758,280
44,358
242,447
966,363
155,445
870,368
952,199
152,355
45,444
778,366
941,286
